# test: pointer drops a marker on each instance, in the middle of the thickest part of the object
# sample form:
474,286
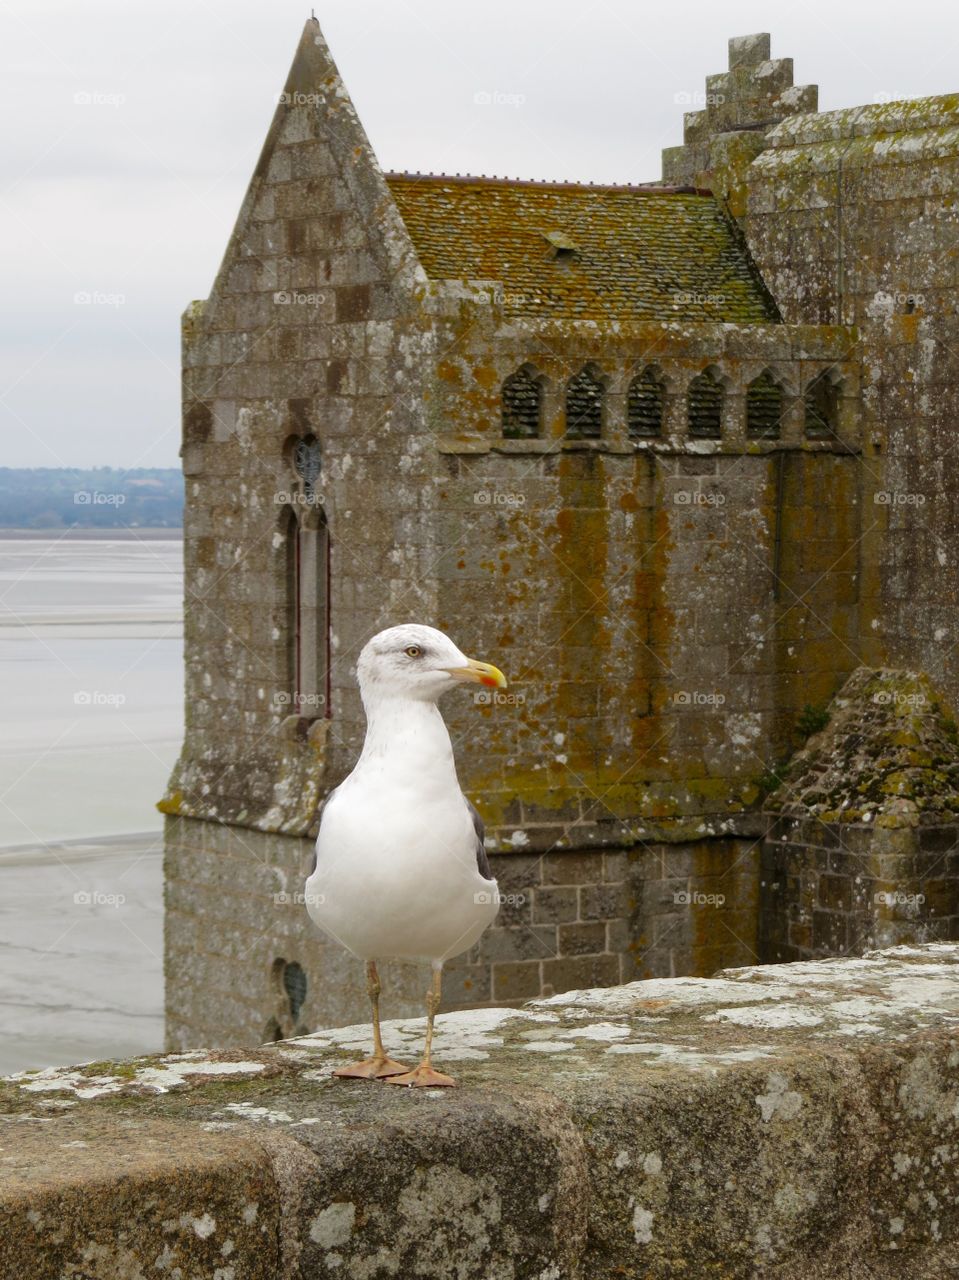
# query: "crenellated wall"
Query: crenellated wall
740,106
673,601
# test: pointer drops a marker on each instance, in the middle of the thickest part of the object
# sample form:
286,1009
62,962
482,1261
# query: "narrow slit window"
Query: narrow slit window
310,630
308,590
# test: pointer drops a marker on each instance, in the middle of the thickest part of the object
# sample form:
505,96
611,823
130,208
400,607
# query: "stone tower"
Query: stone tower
626,443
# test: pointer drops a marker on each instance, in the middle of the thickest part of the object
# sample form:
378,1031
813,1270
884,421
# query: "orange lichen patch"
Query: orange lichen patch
487,377
564,521
640,252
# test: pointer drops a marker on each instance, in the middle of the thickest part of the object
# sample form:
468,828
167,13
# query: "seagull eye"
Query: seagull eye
413,651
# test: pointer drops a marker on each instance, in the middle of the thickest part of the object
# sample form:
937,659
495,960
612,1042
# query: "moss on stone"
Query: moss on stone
888,740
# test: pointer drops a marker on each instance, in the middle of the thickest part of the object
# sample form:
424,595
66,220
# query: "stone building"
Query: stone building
678,457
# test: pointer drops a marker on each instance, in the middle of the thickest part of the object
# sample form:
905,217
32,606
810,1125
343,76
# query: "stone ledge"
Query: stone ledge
663,445
790,1121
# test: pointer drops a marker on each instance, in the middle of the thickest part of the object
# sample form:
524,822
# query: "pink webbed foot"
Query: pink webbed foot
423,1077
372,1069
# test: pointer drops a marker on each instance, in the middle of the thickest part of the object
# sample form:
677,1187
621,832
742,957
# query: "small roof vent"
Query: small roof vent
560,243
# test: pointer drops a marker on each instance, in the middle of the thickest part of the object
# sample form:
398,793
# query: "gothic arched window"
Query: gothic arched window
584,405
644,404
522,397
704,403
764,407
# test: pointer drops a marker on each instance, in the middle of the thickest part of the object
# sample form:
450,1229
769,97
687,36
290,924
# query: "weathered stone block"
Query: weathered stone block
603,902
581,939
749,51
555,905
516,981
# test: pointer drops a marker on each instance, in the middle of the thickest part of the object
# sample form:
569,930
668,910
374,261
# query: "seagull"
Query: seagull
401,867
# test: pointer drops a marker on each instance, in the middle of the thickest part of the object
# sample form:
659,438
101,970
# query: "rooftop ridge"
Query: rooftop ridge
641,188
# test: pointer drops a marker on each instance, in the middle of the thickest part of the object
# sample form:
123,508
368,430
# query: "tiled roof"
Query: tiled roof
643,253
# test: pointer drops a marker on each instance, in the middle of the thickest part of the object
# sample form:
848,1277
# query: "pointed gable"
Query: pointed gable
316,172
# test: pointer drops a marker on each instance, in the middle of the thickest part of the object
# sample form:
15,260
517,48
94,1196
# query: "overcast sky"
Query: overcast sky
131,131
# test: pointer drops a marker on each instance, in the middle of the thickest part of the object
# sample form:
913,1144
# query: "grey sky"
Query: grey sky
131,131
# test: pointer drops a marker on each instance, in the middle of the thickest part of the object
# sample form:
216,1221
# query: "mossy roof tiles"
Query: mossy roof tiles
640,253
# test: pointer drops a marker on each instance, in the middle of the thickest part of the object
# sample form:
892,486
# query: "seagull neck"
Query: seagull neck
407,733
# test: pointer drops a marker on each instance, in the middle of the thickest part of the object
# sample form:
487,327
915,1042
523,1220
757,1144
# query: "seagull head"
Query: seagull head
418,662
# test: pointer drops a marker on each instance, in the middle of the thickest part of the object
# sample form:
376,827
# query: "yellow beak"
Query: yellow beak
479,673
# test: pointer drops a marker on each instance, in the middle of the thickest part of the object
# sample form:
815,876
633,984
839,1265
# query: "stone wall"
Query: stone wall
852,219
862,848
790,1121
314,327
841,888
667,605
569,919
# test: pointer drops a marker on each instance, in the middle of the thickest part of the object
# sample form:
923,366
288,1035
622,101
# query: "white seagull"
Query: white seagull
401,867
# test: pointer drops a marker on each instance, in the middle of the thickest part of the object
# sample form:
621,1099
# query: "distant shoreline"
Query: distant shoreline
82,847
92,534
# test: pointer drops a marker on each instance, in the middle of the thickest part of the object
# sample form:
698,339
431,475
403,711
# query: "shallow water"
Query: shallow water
91,686
81,952
91,644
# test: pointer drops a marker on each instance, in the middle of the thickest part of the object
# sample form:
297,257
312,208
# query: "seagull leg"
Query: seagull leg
379,1066
424,1076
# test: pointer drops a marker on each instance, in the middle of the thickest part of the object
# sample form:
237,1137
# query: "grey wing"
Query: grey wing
325,803
482,862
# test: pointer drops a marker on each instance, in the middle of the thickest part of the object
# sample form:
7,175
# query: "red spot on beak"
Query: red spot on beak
490,681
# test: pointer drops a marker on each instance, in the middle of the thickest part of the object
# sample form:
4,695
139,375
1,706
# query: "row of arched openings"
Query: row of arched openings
766,404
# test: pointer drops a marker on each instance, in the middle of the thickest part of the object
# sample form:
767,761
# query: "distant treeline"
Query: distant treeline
98,497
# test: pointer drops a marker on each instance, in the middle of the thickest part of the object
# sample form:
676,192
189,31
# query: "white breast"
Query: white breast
396,871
